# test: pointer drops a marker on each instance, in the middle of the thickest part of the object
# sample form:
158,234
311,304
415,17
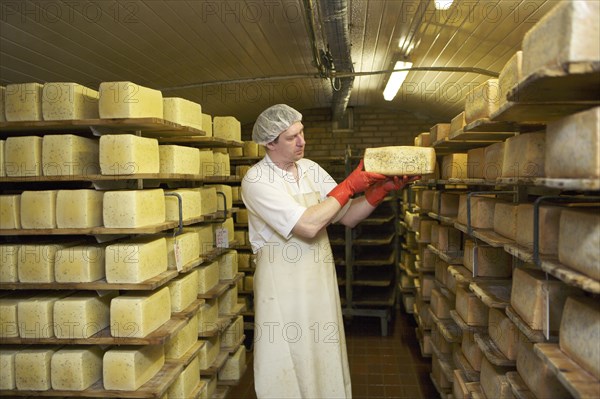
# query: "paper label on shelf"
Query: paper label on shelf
178,256
102,293
222,238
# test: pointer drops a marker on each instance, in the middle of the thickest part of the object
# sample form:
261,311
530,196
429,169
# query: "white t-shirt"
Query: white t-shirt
269,195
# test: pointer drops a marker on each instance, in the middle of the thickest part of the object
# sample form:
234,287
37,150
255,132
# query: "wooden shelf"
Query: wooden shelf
452,146
488,236
494,294
453,258
518,387
221,392
539,113
443,219
461,275
374,239
442,392
92,231
216,366
232,349
233,281
461,363
532,335
97,177
487,129
190,311
572,184
491,351
448,328
463,324
201,142
380,259
374,278
195,394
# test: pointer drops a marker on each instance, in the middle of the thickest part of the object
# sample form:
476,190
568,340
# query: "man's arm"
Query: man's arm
317,217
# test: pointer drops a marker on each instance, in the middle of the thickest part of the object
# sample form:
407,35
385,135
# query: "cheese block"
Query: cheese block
68,101
2,104
449,239
228,265
10,211
9,325
471,350
244,261
228,300
423,140
233,334
235,194
208,277
240,237
23,156
549,219
222,165
226,190
524,155
207,125
566,154
510,75
206,237
447,204
441,268
425,230
81,315
579,328
476,163
493,161
482,211
207,163
536,373
470,308
36,262
127,154
440,305
78,209
427,284
38,209
183,340
186,382
137,314
76,368
227,225
208,315
7,365
428,258
36,315
209,352
483,101
457,124
568,34
437,373
234,366
579,240
454,166
8,263
126,368
505,219
23,102
249,283
79,264
33,368
439,132
491,261
250,149
235,152
493,381
227,127
188,245
503,332
209,200
183,290
528,297
211,386
129,100
191,204
424,200
133,208
135,261
2,168
179,159
183,112
400,160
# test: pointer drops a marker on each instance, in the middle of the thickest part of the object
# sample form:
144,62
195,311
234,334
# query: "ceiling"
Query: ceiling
257,53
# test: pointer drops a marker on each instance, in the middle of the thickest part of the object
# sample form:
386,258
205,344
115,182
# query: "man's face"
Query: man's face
290,145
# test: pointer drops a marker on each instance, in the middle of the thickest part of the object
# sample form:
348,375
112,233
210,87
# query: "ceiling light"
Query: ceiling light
442,4
396,80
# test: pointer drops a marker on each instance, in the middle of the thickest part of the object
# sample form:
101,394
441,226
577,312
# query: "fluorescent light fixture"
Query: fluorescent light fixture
396,80
442,4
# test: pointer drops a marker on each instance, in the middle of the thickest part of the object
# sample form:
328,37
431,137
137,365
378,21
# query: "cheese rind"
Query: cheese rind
183,290
470,308
36,262
400,160
423,140
191,204
207,163
209,352
227,127
471,350
2,104
233,333
439,132
491,261
36,315
128,368
503,332
81,315
10,211
129,100
457,124
138,314
510,76
2,143
9,256
7,365
454,166
186,382
579,240
493,381
33,368
505,219
76,368
23,156
222,164
476,163
38,209
183,112
228,300
524,155
208,315
79,209
23,102
9,323
133,208
228,265
179,159
135,261
68,101
178,345
208,277
250,149
234,366
227,192
79,264
188,245
549,222
207,124
67,154
127,154
482,211
494,161
483,101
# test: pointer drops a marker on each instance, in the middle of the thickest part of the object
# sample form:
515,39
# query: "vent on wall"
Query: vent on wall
346,123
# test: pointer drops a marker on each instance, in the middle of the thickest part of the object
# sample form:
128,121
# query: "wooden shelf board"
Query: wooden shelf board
232,349
488,129
448,145
492,352
232,383
532,335
221,392
461,363
376,220
233,281
488,236
216,366
244,160
518,387
441,391
463,324
461,275
374,239
214,292
97,177
494,294
538,113
569,276
453,258
201,142
93,230
450,330
190,311
195,394
571,184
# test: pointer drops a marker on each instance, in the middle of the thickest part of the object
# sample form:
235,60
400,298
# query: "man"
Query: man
300,347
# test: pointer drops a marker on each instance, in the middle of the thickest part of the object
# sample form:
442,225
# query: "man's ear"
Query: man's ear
270,146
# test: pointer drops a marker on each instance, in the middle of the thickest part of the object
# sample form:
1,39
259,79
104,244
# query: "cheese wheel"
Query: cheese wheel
423,140
250,149
440,306
7,365
232,335
437,374
228,300
191,204
208,277
183,290
222,165
2,104
503,332
493,161
183,112
223,203
36,263
2,168
207,125
127,154
228,226
249,283
209,352
510,75
9,255
400,160
9,324
457,124
493,381
439,132
476,163
129,100
67,154
179,159
483,101
178,345
76,368
79,209
186,382
579,240
454,166
23,102
482,211
234,366
68,101
135,261
23,156
79,264
524,155
228,265
424,200
10,211
208,315
505,219
133,208
81,315
36,315
549,221
127,368
207,163
446,204
471,350
188,244
206,237
491,261
38,209
227,127
209,200
449,239
33,368
470,308
137,314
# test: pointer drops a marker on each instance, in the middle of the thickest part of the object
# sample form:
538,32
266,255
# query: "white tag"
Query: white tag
177,252
222,238
102,293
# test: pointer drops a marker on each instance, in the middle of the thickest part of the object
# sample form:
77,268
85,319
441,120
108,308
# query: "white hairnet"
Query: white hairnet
273,121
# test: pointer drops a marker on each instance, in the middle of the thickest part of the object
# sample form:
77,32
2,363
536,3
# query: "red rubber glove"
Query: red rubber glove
357,182
378,191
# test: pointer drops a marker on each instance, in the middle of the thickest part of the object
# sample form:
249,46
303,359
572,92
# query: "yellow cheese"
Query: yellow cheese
23,156
448,203
179,159
440,306
33,368
10,211
439,132
437,374
441,271
425,230
483,101
136,261
228,265
208,315
580,333
9,326
191,204
211,386
493,381
510,75
183,290
129,100
457,124
222,165
476,163
505,219
36,315
81,315
133,208
208,277
454,166
183,112
226,190
579,240
449,239
8,263
137,314
79,264
470,308
38,209
189,247
235,194
76,368
572,146
235,152
549,218
178,345
209,352
186,381
471,350
208,200
23,102
494,161
207,163
79,209
482,211
7,365
68,101
249,283
234,366
262,151
227,127
491,261
503,332
423,140
400,160
126,154
250,149
424,200
2,104
233,333
2,168
207,125
36,262
524,155
228,300
128,368
239,236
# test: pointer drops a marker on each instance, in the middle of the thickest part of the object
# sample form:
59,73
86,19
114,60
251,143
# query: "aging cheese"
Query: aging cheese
76,368
68,101
491,261
10,211
78,209
129,100
454,166
250,149
447,204
81,315
191,204
127,154
425,230
211,386
2,104
400,160
209,200
228,300
483,101
207,163
441,271
135,261
33,368
133,208
206,237
493,381
137,314
524,155
186,382
240,237
470,308
549,220
9,325
493,161
8,263
457,124
482,211
226,192
510,75
183,112
244,261
208,315
36,262
23,102
423,140
228,265
7,365
227,127
505,219
424,200
207,125
449,239
439,132
38,209
188,245
503,332
2,168
179,159
178,345
208,277
437,374
471,350
128,368
234,366
476,163
23,156
440,306
233,333
183,290
227,225
579,329
209,352
249,283
573,146
579,240
67,154
36,315
79,264
222,165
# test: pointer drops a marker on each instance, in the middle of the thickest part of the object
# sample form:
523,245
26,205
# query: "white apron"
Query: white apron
300,346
